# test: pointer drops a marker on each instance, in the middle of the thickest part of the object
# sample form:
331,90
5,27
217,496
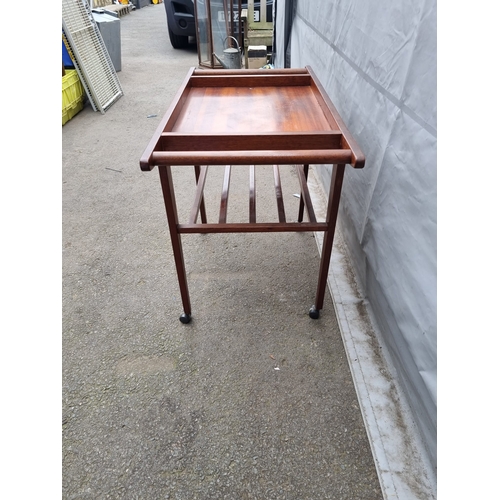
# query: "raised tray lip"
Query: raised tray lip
347,151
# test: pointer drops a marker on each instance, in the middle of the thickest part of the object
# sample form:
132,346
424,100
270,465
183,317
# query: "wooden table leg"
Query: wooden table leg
167,187
331,219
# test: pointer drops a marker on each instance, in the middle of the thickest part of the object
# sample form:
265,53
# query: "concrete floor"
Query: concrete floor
252,399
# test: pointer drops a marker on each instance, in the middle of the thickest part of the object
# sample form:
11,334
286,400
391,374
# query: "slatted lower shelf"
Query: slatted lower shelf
198,207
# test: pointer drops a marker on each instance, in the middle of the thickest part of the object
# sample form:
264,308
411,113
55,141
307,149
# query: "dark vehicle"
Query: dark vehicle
181,21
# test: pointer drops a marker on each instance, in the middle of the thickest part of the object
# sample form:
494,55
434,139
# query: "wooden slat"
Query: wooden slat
203,212
301,203
246,72
252,202
243,141
280,157
225,195
199,195
305,194
259,227
279,194
252,80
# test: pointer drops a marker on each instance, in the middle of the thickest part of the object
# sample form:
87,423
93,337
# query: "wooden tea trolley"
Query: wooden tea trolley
251,117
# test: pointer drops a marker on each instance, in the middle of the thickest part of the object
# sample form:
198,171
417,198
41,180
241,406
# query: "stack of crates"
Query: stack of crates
72,95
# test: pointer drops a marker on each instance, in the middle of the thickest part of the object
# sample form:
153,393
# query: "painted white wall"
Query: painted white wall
377,61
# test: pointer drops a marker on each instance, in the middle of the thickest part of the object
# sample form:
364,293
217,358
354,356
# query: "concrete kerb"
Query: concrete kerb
398,451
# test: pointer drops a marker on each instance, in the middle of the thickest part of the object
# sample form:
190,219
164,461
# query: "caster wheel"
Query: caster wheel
185,318
313,313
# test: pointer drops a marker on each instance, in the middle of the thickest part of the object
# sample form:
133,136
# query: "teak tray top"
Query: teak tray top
251,116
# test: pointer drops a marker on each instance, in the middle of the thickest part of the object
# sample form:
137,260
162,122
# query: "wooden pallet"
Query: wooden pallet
121,10
101,3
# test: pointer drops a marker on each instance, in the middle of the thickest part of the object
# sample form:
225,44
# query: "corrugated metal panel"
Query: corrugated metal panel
91,57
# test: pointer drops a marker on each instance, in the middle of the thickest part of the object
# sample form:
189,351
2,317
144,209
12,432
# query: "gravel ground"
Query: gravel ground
252,399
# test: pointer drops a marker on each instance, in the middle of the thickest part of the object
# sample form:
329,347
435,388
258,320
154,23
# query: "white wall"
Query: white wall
377,61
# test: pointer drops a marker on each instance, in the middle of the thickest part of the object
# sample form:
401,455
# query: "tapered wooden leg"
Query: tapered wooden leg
301,203
203,213
331,219
167,187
